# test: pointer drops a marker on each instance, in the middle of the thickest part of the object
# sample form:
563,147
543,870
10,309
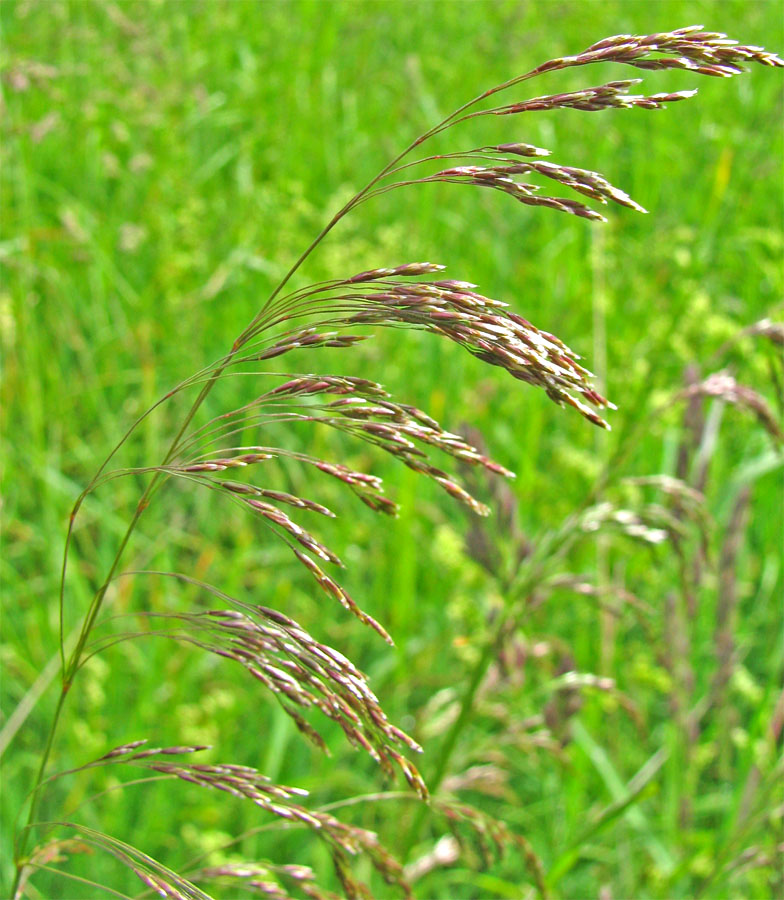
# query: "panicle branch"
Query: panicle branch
301,672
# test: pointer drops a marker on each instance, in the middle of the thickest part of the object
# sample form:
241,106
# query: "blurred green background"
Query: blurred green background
163,163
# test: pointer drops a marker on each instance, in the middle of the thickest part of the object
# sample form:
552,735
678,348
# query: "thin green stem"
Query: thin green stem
143,503
36,794
194,379
517,584
489,653
450,120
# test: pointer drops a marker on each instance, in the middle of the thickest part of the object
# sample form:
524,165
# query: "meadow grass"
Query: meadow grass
163,165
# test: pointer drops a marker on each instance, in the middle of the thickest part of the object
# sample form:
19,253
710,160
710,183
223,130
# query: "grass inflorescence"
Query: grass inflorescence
307,676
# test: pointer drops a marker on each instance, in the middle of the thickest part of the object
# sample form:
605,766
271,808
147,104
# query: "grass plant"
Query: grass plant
526,703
